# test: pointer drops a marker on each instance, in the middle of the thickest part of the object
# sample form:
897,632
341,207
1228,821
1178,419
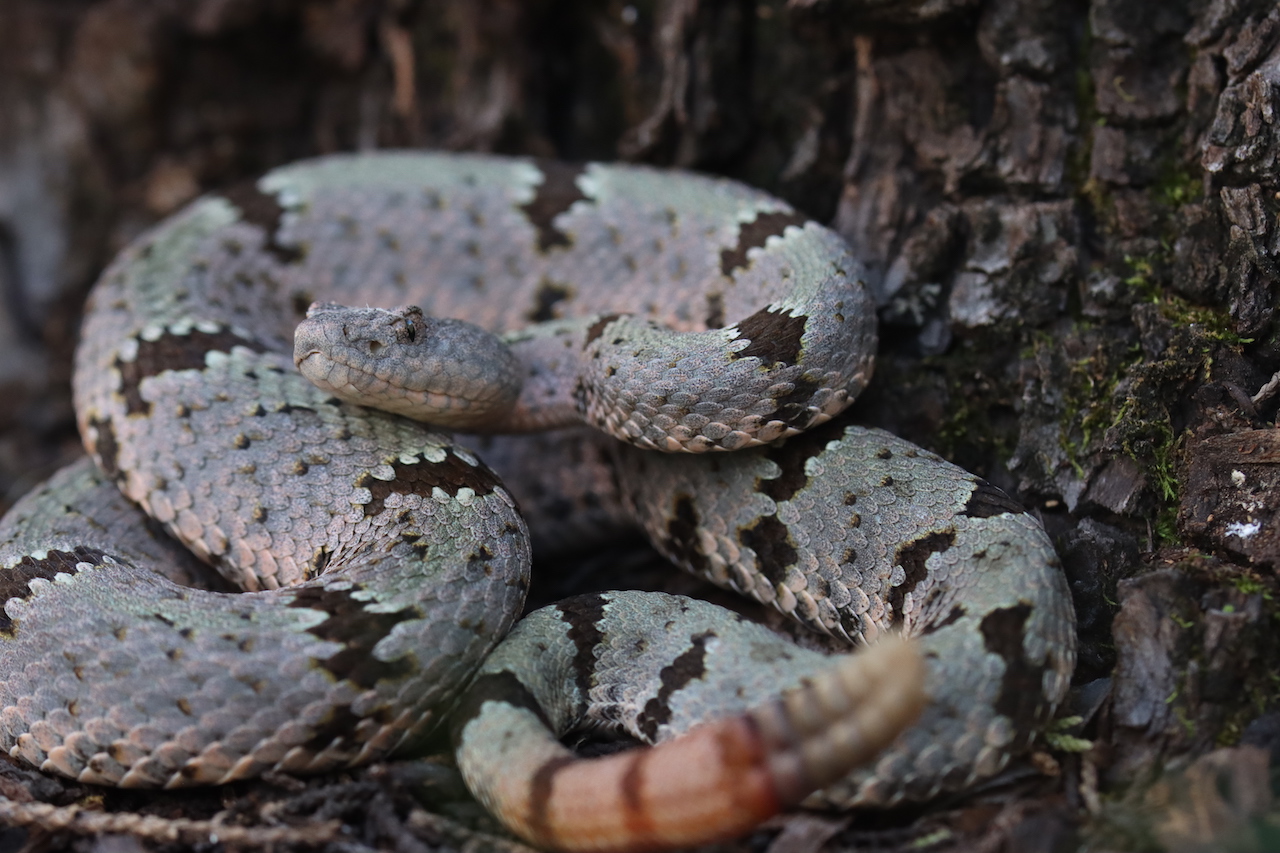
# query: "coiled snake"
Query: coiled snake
383,561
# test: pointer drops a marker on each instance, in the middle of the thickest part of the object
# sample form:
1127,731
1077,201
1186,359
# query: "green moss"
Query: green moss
1212,323
1258,695
1114,399
1089,364
1060,737
1184,719
1094,193
1143,430
1162,463
1178,184
1125,405
969,431
1149,809
1261,689
1097,195
1251,585
1229,734
1088,399
1142,276
938,836
974,430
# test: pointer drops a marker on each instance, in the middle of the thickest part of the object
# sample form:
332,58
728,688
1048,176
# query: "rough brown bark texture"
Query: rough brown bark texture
1069,212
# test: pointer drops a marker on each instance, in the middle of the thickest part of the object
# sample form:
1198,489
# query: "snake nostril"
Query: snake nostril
374,346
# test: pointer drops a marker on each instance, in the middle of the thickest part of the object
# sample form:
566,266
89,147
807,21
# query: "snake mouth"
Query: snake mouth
299,360
363,387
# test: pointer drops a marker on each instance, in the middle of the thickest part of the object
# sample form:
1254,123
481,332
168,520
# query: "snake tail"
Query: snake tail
702,782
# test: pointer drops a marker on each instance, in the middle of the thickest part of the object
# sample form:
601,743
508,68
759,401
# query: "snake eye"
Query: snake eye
411,330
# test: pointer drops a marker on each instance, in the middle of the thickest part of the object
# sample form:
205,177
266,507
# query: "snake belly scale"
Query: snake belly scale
382,562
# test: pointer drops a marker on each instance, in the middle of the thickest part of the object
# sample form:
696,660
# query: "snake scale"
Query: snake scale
382,562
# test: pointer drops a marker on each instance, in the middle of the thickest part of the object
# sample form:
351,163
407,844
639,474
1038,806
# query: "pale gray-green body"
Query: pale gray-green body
412,559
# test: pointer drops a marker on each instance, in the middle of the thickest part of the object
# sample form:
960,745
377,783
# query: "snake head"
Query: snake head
442,371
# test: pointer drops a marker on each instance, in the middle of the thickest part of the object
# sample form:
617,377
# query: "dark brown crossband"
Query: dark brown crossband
582,615
913,557
688,666
1021,696
987,500
263,210
15,582
775,552
791,457
450,475
682,535
358,629
556,194
753,235
173,351
774,336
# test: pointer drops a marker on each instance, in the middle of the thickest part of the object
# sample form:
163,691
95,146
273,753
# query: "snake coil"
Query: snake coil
382,562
